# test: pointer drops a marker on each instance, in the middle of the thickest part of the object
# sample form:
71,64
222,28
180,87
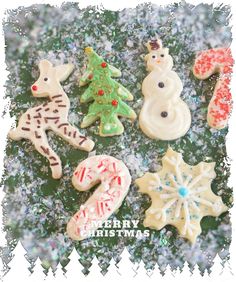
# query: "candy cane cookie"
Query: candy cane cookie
114,179
217,61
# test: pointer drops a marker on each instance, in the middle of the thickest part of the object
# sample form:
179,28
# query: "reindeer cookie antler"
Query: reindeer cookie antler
53,115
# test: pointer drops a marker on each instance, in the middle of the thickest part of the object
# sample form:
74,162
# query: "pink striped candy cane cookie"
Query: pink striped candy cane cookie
114,179
217,61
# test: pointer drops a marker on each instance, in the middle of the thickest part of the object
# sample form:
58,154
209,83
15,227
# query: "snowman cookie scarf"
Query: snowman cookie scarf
164,114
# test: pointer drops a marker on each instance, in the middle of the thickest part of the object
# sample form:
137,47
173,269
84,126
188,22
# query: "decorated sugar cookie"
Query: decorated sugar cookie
181,195
107,96
114,179
52,115
220,61
164,114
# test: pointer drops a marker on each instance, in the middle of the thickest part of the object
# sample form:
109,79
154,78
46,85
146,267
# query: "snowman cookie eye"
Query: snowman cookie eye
154,56
45,79
161,84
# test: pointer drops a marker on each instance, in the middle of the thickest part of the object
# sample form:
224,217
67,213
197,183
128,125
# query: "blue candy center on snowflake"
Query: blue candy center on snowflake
183,191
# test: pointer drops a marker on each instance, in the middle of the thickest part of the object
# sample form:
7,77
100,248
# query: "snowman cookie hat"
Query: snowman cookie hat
158,57
154,44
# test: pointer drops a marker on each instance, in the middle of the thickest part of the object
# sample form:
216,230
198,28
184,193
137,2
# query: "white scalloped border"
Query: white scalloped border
139,269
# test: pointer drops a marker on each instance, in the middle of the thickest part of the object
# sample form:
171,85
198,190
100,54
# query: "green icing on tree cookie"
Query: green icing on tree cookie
107,95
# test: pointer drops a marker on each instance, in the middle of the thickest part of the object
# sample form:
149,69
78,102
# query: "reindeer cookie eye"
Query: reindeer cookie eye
45,79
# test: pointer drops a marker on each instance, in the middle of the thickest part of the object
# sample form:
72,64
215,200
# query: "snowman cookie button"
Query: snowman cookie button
164,114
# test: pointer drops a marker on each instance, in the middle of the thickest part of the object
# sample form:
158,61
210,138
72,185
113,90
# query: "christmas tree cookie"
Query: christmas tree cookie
181,195
164,114
107,96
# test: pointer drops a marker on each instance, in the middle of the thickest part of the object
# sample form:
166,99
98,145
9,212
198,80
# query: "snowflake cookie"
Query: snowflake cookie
181,195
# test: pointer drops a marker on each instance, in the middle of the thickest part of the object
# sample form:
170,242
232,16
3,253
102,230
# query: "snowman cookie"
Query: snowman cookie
164,114
181,195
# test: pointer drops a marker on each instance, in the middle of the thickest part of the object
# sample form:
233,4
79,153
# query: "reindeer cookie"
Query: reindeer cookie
114,179
52,115
164,114
181,195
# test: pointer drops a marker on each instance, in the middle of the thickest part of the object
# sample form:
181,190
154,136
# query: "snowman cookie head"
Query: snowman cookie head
158,57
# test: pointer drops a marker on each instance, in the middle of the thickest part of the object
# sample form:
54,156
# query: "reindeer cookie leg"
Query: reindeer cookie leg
72,135
114,179
42,146
15,134
39,139
22,131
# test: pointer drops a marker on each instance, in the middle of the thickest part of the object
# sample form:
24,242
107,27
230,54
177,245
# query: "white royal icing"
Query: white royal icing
164,114
181,195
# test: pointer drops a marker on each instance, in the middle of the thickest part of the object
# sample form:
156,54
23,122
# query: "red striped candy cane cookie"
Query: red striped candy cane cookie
217,61
114,179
